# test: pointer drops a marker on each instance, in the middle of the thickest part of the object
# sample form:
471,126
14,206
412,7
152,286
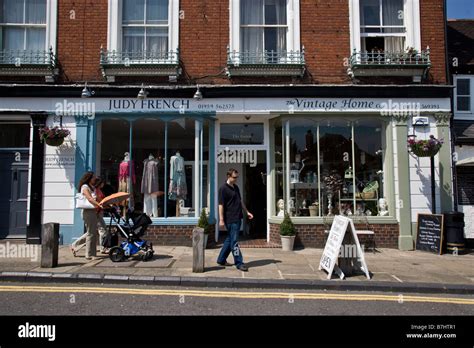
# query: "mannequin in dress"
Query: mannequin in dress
124,176
150,186
177,188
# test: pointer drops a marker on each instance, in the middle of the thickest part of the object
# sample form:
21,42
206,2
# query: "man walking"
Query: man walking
230,215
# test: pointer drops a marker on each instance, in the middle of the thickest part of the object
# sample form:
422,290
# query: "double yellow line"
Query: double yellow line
240,294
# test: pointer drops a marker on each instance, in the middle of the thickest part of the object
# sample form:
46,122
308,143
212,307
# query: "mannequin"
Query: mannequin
124,176
281,208
177,188
383,207
150,185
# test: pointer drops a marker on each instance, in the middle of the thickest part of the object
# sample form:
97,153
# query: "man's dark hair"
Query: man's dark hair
232,171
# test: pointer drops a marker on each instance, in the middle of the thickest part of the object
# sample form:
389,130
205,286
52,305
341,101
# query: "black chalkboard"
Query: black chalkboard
429,233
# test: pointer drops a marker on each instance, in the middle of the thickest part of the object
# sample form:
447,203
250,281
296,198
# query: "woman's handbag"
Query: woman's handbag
82,202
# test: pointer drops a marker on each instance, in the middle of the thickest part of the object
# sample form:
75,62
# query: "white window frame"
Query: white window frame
114,33
411,21
293,23
471,94
50,25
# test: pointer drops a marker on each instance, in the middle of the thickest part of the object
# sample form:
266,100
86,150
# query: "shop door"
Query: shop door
13,193
256,201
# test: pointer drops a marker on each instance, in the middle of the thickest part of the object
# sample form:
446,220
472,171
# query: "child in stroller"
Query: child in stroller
132,232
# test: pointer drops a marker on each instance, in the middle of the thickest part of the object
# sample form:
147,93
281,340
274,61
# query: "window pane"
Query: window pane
335,158
148,152
114,169
133,11
251,40
157,12
181,146
12,11
368,167
251,12
241,134
304,164
279,170
369,12
157,40
133,39
35,39
275,12
36,11
275,40
392,12
463,87
14,39
464,103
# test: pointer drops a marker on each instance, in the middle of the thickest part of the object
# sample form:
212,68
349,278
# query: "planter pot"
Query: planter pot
54,141
287,243
313,211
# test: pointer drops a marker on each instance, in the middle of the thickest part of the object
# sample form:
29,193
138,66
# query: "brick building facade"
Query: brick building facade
312,89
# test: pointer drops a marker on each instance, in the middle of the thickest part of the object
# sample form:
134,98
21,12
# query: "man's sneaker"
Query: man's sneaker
242,267
224,264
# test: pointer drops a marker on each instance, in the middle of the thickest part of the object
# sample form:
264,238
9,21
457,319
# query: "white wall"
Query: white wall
59,177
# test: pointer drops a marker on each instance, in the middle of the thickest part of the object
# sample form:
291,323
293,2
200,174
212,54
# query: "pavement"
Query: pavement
392,270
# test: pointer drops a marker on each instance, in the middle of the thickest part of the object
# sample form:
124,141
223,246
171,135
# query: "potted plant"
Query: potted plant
424,148
53,136
287,233
204,224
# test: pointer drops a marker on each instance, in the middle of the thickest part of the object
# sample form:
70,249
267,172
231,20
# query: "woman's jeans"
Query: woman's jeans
231,245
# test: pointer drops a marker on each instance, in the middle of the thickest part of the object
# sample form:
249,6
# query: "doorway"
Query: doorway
13,193
253,189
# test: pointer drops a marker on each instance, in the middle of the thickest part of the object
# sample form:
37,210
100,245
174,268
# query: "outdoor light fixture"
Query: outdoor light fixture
143,93
86,92
198,94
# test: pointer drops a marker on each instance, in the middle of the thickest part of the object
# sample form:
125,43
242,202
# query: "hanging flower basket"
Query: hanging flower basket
53,136
424,148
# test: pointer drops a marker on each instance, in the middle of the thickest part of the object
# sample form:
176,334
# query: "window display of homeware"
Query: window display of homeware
424,148
333,183
53,136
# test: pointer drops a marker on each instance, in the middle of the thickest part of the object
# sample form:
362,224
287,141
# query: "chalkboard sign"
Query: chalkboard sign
429,233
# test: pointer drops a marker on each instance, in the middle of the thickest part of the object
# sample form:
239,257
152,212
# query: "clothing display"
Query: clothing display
177,189
150,185
124,172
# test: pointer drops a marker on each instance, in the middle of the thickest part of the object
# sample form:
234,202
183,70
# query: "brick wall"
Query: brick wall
312,236
204,36
432,34
79,39
173,235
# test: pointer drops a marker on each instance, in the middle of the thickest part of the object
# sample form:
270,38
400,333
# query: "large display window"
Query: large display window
325,167
159,162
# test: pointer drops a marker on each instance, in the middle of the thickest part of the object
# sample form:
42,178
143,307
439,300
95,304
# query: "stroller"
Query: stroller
134,245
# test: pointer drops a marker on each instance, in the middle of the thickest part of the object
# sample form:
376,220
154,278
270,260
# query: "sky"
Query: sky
460,9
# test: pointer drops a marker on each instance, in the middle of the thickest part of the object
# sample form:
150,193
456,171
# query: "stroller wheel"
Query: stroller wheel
116,254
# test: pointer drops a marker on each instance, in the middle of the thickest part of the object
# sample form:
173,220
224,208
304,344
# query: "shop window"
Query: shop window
159,164
463,94
329,167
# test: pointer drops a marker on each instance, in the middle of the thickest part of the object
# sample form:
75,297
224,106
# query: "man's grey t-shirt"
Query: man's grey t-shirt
230,198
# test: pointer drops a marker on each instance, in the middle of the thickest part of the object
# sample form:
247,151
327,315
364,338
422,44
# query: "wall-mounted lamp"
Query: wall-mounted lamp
143,93
86,92
198,94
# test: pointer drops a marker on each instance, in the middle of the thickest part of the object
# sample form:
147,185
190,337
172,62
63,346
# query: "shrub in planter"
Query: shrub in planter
287,233
204,224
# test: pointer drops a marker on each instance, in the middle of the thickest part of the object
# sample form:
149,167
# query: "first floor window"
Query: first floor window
158,162
263,28
463,94
23,25
382,26
145,28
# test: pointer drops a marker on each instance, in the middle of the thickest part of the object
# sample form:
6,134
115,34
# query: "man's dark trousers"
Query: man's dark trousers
231,245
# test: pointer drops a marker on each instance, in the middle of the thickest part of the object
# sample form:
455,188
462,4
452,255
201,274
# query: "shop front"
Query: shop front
313,158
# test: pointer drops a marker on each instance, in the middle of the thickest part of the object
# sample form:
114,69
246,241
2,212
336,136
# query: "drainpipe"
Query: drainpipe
451,121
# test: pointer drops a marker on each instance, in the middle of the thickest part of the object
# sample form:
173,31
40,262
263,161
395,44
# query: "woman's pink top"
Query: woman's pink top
124,171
